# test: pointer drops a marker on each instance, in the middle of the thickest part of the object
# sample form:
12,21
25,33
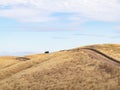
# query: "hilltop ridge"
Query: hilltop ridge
94,67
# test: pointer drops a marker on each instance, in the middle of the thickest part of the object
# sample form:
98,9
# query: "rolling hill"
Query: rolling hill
94,67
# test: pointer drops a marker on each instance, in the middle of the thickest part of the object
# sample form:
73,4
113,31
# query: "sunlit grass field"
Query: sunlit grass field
75,69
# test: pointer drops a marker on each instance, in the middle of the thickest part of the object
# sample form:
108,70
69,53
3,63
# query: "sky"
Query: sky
35,26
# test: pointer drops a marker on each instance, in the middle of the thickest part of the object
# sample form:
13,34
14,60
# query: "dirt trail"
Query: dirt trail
101,56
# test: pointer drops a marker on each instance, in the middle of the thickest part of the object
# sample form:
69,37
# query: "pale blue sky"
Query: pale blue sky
28,27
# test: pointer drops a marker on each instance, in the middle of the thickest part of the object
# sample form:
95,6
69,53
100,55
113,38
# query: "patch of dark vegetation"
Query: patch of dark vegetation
46,52
22,58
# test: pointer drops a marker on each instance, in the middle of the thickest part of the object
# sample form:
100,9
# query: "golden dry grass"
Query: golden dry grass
74,69
112,50
7,61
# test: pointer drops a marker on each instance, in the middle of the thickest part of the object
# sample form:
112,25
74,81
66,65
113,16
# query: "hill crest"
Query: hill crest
75,69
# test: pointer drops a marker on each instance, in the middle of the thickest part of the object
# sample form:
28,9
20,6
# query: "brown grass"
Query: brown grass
7,61
112,50
74,69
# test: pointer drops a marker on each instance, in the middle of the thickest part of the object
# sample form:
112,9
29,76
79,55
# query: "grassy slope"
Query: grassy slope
7,61
65,70
112,50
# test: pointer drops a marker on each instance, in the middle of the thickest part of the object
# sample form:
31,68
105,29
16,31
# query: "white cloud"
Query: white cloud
26,14
117,28
41,10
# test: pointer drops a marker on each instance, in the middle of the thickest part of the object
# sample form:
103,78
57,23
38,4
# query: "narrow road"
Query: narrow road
101,56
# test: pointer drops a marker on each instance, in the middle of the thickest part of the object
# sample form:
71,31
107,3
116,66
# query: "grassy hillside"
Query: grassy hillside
7,61
112,50
75,69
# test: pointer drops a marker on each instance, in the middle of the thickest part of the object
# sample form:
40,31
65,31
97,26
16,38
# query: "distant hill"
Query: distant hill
94,67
